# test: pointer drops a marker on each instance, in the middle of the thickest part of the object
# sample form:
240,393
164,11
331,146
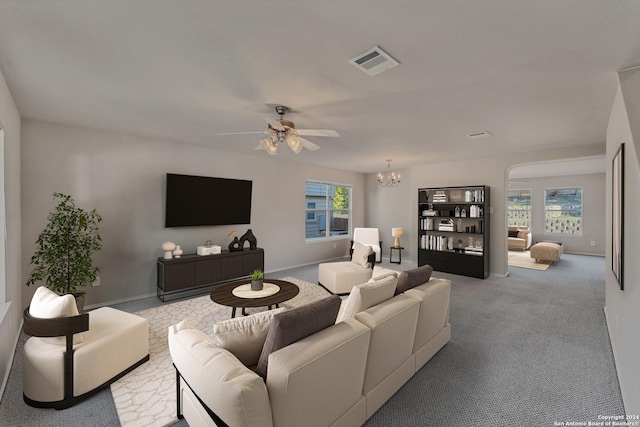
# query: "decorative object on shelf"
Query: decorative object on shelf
235,245
177,252
209,249
397,233
459,226
389,178
257,278
446,225
249,237
63,258
457,211
450,244
463,213
168,248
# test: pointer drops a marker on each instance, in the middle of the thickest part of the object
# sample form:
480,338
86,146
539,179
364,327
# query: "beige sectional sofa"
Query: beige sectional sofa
338,376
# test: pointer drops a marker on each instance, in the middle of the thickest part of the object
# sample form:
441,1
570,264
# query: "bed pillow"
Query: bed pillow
411,278
361,254
46,304
296,324
368,294
244,336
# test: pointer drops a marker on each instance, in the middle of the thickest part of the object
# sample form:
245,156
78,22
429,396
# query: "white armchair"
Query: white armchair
369,237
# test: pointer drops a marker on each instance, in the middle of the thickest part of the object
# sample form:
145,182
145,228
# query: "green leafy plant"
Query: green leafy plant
257,275
63,258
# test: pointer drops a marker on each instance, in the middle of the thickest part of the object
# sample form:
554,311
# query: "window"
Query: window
328,210
519,207
563,211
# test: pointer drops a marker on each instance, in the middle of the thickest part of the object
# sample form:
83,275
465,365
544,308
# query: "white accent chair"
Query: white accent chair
369,237
58,373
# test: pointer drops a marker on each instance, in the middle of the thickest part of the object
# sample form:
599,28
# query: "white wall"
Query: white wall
593,211
493,172
123,177
623,316
11,312
396,213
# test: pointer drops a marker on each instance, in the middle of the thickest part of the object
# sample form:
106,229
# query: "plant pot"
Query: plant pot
256,285
80,303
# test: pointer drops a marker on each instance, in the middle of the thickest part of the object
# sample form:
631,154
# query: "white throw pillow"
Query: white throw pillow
46,304
367,295
389,273
361,254
244,336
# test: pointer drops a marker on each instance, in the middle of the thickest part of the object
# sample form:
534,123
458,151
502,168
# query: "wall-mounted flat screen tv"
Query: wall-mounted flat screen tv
200,200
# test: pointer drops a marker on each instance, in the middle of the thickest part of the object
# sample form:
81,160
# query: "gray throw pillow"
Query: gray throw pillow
412,278
296,324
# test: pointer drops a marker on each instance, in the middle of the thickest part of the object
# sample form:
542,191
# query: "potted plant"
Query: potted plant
257,278
63,258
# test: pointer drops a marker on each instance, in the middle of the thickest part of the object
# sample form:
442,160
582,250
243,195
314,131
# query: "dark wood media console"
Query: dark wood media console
194,271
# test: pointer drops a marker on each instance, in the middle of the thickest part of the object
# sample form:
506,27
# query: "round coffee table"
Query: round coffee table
223,295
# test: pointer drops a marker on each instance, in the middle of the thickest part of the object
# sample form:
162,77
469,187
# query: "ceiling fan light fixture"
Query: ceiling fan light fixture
294,143
269,146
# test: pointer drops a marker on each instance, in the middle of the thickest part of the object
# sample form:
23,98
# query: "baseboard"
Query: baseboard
120,301
5,380
584,253
613,350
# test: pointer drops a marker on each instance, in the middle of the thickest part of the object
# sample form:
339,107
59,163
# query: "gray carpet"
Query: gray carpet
526,350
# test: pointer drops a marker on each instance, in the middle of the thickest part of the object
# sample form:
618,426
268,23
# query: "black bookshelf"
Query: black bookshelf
453,229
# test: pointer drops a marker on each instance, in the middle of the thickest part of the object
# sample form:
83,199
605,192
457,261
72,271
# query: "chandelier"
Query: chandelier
388,179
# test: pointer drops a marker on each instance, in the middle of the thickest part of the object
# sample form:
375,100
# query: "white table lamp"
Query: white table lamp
397,233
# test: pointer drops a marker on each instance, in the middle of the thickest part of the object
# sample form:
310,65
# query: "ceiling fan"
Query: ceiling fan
284,131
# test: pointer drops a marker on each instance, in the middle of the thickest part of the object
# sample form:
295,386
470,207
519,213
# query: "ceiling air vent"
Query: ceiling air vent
479,135
374,61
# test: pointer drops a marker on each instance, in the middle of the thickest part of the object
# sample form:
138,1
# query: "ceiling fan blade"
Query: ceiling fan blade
259,147
318,132
308,144
241,133
276,125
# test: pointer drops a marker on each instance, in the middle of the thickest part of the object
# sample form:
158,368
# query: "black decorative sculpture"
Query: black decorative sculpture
249,237
235,245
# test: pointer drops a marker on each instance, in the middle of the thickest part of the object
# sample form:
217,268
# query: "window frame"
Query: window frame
556,234
326,212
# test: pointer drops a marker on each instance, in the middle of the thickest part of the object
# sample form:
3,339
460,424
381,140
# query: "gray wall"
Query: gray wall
11,321
623,316
593,211
124,178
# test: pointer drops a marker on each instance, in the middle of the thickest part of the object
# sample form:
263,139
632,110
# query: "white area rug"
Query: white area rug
147,395
523,259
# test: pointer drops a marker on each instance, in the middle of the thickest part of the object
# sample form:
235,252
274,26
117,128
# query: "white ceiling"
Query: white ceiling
535,74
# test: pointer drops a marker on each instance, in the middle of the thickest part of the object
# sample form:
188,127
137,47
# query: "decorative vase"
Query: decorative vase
177,252
256,285
168,248
235,245
249,237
